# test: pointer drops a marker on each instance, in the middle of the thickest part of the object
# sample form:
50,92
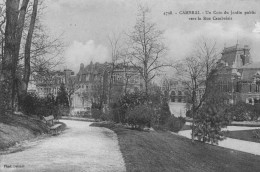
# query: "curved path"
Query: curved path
79,148
240,145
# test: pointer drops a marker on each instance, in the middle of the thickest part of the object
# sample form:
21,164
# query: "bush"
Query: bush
174,124
164,113
139,116
96,113
208,124
31,105
119,108
189,114
242,112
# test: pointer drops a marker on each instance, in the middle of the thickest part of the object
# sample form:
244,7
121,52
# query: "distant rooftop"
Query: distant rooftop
254,65
236,47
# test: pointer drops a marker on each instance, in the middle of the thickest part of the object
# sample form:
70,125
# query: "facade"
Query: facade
177,92
90,85
48,83
93,83
239,76
124,79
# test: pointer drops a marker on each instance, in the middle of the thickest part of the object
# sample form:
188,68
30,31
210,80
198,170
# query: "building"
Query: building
90,85
49,82
105,82
177,92
239,76
93,83
123,79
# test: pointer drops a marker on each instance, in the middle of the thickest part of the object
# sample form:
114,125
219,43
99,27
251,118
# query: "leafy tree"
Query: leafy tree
164,112
208,124
196,72
242,111
62,97
212,116
140,116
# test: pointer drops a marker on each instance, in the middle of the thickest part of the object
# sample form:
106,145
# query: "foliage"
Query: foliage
62,97
31,104
208,123
164,113
96,110
119,108
174,124
139,116
256,133
189,114
96,113
242,112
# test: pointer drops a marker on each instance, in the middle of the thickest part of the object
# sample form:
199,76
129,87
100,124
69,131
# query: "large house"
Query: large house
48,83
104,82
92,84
239,75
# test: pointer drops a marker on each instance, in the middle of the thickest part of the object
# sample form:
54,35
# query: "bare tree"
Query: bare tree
15,17
146,47
2,24
116,54
197,71
27,50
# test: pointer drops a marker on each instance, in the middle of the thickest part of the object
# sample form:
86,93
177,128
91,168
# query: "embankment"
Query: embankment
15,128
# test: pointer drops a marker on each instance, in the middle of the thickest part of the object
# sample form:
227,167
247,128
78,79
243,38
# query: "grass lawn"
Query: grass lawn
163,151
242,135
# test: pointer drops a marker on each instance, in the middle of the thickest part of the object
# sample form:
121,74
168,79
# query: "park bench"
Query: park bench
50,123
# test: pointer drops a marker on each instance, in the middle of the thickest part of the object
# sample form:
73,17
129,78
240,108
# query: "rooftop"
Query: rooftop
254,65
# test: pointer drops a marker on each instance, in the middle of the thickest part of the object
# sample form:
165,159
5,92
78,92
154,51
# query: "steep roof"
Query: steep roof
249,71
254,65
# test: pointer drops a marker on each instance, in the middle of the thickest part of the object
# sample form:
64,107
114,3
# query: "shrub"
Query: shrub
189,114
28,103
242,112
208,124
164,113
105,117
256,133
139,116
31,105
174,124
96,113
116,113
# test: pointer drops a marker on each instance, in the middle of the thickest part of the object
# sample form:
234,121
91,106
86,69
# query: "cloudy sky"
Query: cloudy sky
86,24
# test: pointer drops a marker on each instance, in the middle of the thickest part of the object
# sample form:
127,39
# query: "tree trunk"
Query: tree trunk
13,34
19,32
8,57
27,56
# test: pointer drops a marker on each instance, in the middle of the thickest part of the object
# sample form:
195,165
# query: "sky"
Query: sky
86,25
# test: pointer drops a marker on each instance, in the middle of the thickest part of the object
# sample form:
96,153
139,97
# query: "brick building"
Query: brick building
94,80
239,76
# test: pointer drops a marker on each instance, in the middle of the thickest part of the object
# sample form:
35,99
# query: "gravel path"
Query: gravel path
79,148
240,145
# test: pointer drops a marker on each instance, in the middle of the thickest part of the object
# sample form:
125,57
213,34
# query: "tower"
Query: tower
236,56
